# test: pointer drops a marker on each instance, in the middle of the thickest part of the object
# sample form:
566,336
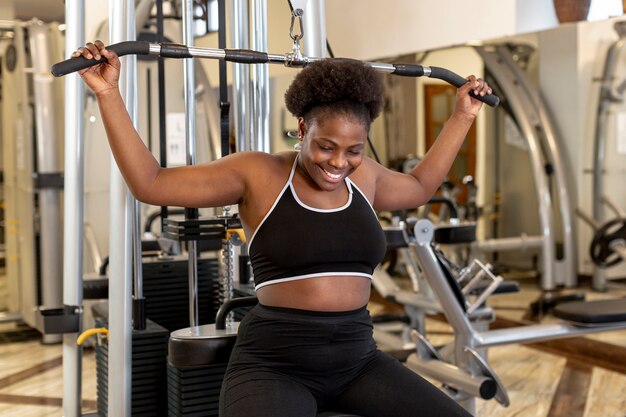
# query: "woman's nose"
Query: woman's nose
338,160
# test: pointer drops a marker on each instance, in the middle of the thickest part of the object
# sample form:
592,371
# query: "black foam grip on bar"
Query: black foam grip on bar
457,81
174,50
408,70
245,56
123,48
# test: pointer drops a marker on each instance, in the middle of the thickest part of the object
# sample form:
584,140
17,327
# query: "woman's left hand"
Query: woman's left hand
466,104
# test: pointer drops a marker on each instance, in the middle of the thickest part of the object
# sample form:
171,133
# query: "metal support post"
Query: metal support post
314,22
121,18
260,99
73,209
47,159
190,140
240,38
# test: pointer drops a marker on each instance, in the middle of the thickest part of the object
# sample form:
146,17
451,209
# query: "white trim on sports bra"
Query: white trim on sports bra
309,276
352,184
319,210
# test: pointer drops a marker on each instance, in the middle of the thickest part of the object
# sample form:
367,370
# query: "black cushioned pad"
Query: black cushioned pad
333,414
593,312
395,239
184,353
95,288
455,233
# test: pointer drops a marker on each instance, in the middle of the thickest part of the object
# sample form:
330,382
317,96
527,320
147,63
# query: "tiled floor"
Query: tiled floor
540,383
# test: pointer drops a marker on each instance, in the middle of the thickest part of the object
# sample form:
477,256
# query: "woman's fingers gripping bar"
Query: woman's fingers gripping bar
96,53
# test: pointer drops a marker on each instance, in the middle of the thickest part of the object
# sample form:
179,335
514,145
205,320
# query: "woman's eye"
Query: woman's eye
326,148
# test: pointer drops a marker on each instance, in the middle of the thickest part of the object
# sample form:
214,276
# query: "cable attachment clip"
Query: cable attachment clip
295,58
297,13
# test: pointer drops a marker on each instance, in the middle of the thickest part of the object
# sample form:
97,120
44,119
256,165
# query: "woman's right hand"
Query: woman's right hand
101,78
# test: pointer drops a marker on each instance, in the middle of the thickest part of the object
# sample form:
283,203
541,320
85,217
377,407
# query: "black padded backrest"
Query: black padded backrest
454,286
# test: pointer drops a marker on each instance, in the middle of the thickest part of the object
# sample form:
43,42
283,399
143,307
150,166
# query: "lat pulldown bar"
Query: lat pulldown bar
246,56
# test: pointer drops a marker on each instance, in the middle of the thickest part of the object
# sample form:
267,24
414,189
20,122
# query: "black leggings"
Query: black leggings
294,363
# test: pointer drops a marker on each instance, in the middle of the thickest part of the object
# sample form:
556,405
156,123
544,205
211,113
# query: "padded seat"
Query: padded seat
593,312
202,345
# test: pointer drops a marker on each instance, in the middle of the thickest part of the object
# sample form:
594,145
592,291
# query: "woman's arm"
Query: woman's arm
218,183
395,190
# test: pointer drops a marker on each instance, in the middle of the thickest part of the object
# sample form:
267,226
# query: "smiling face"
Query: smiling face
332,148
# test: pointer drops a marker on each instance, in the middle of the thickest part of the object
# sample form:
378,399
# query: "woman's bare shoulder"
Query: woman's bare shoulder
265,175
256,161
258,166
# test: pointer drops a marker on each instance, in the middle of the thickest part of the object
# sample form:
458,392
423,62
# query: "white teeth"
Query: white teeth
333,176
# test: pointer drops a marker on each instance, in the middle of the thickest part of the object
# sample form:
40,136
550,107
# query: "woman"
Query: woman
314,241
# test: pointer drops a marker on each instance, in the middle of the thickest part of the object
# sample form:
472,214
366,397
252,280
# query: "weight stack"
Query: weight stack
194,391
149,371
166,290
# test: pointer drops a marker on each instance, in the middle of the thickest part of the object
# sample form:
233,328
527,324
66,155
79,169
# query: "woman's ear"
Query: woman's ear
301,128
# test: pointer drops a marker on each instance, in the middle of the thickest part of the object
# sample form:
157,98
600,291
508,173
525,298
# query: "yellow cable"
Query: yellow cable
84,335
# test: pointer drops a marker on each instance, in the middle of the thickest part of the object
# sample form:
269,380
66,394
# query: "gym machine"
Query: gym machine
608,246
550,172
609,242
396,337
213,333
120,362
33,175
462,365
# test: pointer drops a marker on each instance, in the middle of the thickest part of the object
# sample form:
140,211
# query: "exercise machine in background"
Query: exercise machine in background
242,56
462,365
525,111
32,172
607,247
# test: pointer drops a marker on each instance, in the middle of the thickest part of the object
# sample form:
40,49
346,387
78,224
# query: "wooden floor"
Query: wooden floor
579,377
572,377
31,377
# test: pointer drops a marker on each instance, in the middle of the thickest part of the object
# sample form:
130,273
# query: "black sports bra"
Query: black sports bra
295,241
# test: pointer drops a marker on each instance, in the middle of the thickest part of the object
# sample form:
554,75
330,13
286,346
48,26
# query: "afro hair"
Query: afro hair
340,85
